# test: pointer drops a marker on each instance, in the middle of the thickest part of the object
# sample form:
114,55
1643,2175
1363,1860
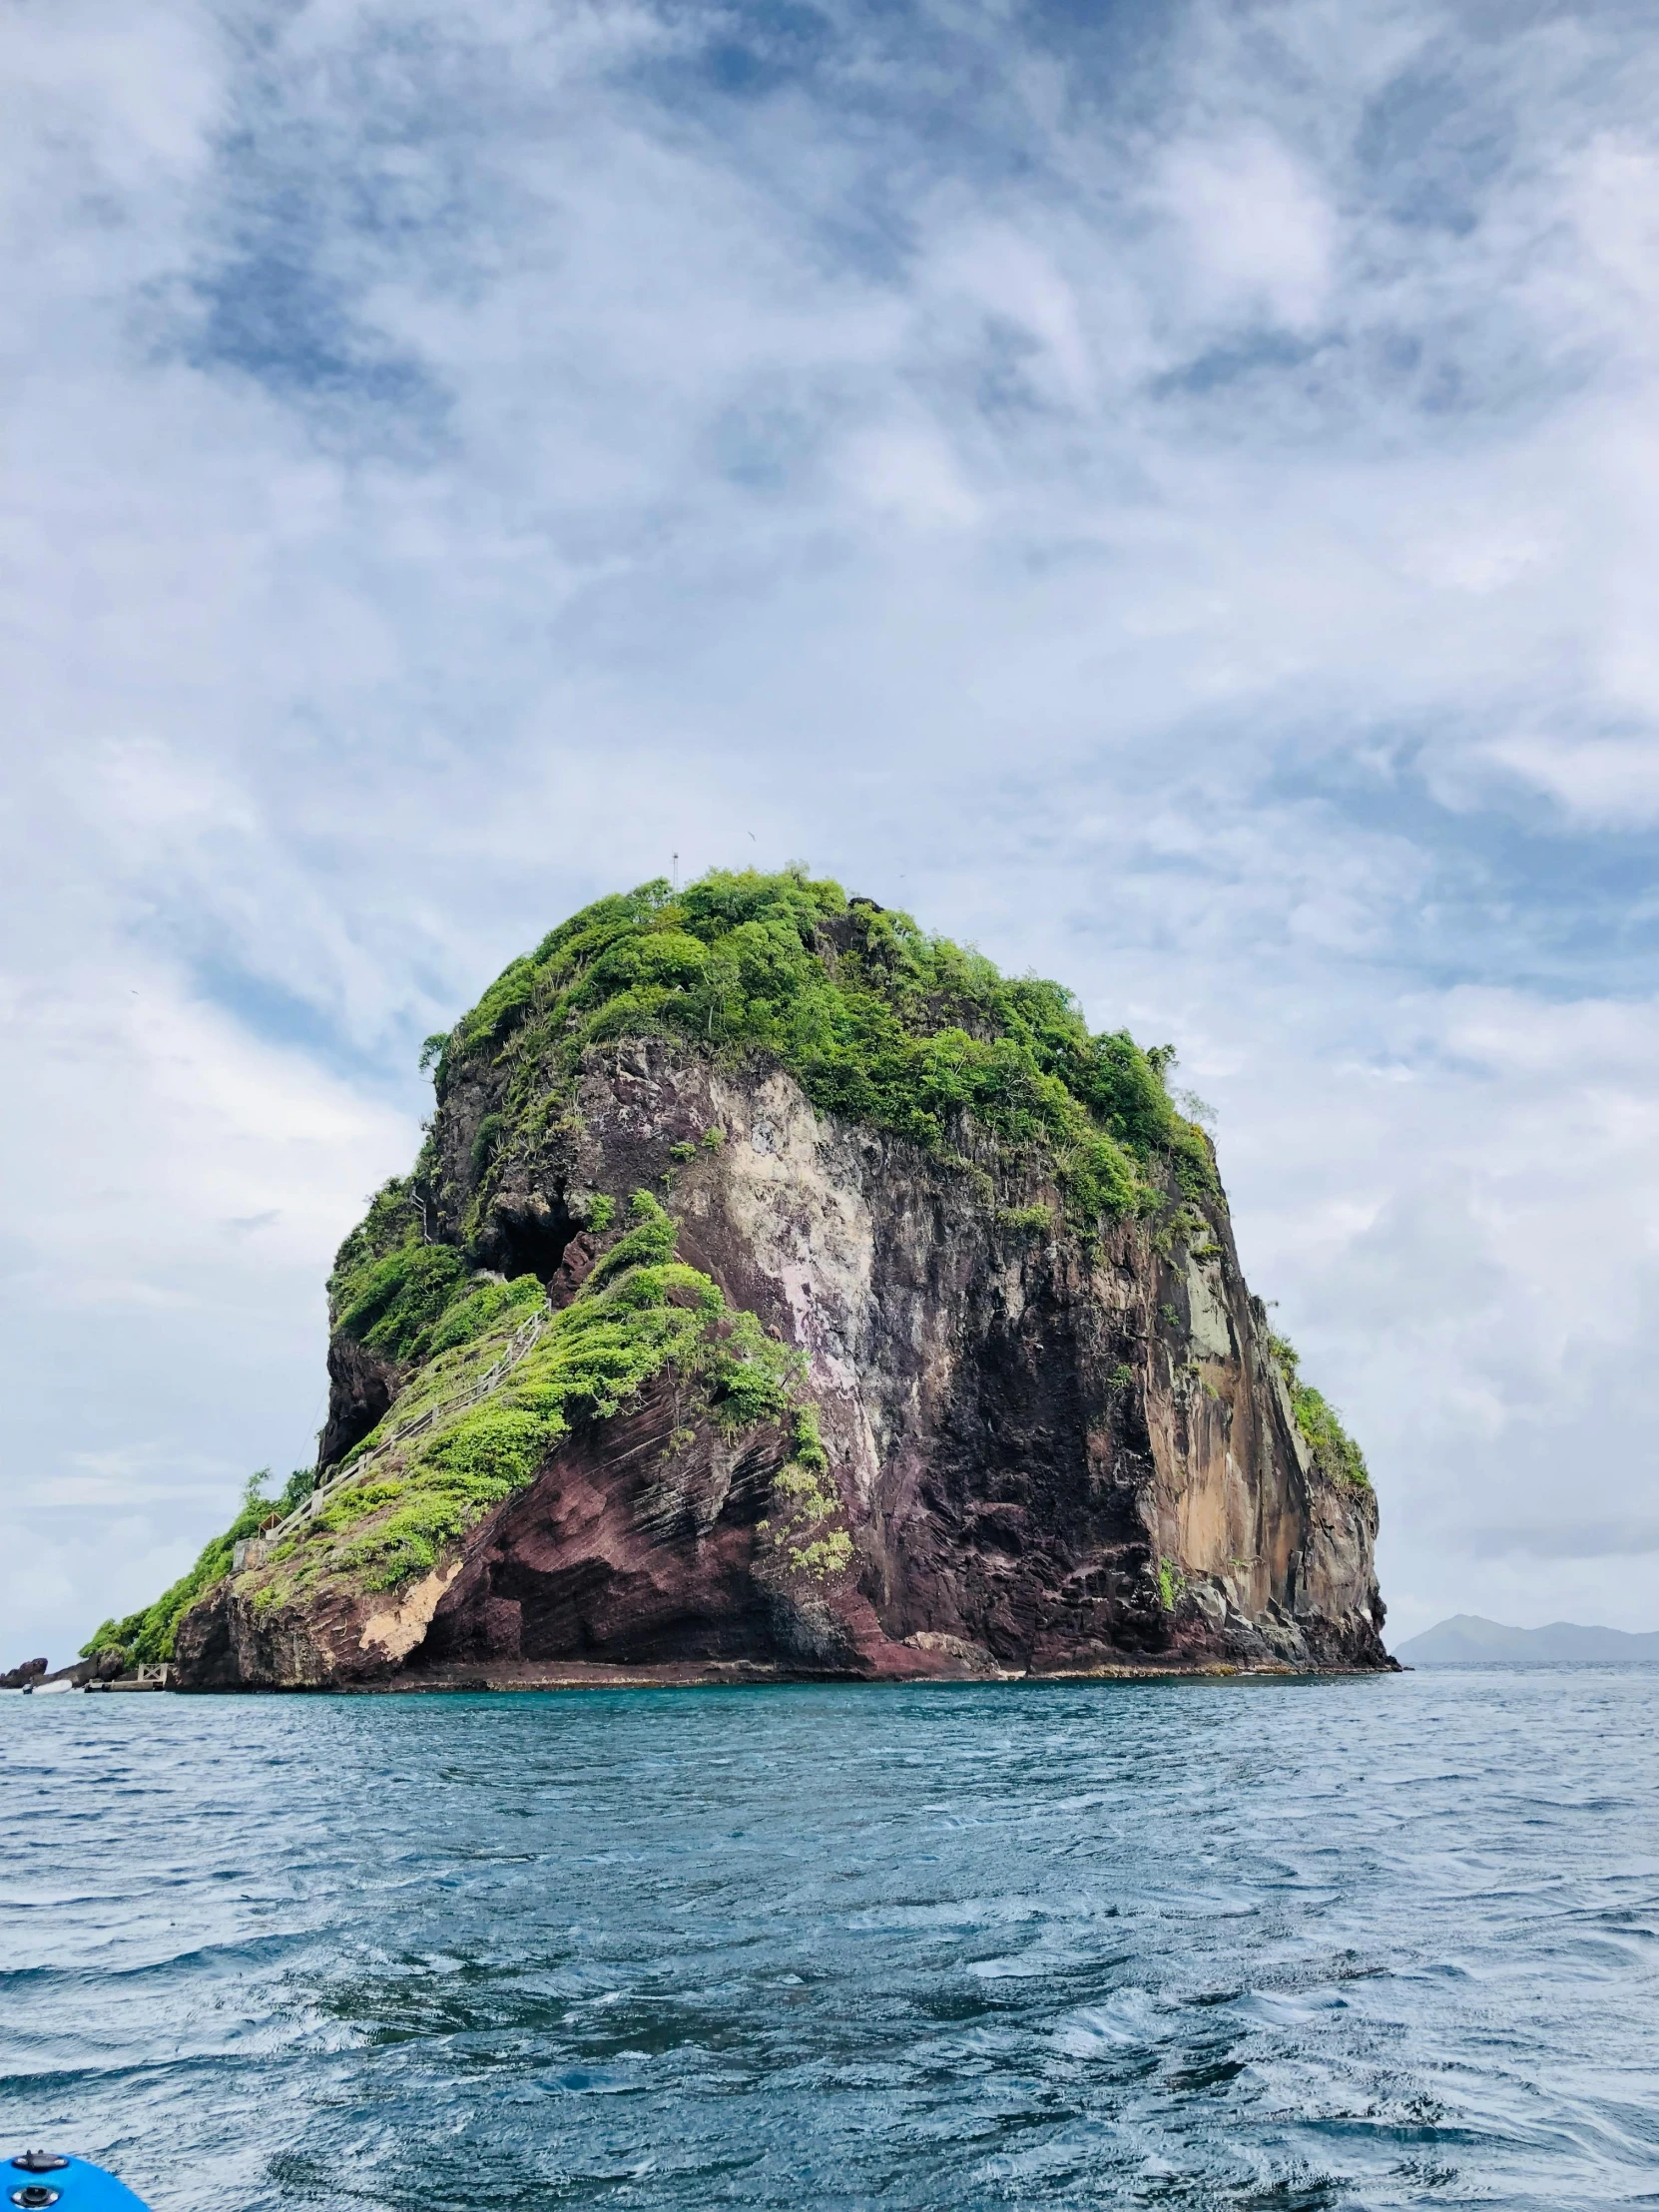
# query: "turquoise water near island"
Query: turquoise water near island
1223,1945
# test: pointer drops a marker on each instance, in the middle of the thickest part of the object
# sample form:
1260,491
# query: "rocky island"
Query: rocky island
782,1290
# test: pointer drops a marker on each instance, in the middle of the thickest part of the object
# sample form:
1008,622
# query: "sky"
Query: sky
1168,492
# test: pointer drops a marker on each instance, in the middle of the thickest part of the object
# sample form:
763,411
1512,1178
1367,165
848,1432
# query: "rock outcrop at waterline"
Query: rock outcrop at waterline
780,1289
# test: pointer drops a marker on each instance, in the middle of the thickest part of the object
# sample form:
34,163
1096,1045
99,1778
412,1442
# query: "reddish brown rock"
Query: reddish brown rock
1052,1457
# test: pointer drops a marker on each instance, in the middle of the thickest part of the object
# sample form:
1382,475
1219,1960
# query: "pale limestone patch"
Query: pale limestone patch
397,1631
1304,1457
1212,1334
796,1199
974,1656
1204,1520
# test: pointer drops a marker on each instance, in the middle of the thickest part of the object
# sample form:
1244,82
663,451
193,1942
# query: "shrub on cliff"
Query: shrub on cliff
639,1311
878,1021
799,1536
1336,1454
146,1637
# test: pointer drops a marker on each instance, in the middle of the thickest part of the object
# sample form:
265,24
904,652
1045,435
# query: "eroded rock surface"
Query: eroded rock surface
1052,1452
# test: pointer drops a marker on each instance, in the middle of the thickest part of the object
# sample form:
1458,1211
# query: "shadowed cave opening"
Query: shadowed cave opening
529,1237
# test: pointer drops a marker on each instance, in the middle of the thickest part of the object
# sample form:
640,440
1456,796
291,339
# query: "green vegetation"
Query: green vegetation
485,1142
1028,1221
878,1021
1336,1454
408,1298
147,1636
390,1287
639,1311
802,1500
1172,1584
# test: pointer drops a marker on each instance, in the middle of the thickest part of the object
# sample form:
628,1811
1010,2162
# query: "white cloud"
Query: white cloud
1478,553
1258,235
913,476
1483,1313
130,100
1611,781
1613,192
1015,280
172,1193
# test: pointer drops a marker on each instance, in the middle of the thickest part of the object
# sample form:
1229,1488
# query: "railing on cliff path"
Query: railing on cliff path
253,1551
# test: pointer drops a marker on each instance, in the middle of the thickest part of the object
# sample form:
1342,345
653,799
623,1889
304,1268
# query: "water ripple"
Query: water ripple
1251,1948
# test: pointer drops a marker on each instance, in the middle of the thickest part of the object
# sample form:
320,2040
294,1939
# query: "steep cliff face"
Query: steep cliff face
659,1361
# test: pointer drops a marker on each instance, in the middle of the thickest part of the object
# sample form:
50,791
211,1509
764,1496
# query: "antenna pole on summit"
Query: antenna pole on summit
677,872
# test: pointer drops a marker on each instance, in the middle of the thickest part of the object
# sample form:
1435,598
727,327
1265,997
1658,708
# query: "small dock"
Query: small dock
145,1678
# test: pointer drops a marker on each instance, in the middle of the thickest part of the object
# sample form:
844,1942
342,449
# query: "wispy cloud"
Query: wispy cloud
1167,493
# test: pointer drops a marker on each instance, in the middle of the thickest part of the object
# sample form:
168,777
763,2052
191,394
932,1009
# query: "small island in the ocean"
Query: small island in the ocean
782,1290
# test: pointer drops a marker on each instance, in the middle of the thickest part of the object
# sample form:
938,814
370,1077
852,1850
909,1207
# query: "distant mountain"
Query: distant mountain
1466,1638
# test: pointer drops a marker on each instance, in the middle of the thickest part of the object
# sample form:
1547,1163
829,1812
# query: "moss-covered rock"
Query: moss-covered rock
504,1380
878,1020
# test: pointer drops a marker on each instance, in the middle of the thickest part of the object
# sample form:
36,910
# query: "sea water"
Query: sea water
1359,1942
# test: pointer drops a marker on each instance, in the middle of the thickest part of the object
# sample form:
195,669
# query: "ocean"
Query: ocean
1250,1944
